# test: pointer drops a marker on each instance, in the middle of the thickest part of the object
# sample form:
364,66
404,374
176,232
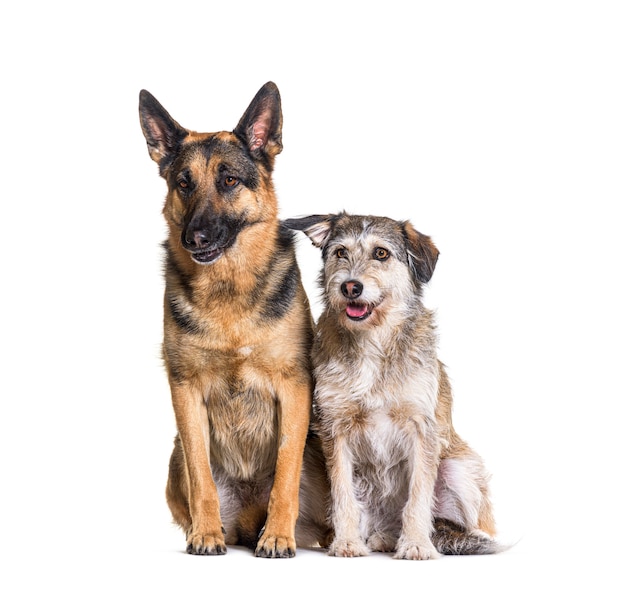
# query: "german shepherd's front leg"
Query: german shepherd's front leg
277,538
205,534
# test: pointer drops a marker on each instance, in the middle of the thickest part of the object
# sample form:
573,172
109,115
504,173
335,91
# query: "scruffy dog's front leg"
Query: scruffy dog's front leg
345,508
415,538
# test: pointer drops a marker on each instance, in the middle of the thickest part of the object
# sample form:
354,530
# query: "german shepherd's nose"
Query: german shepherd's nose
207,244
351,289
199,239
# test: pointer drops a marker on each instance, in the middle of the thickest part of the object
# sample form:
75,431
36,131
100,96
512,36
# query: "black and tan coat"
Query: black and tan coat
237,337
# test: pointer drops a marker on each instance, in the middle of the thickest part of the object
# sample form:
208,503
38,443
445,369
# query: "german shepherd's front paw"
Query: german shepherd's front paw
276,546
206,544
348,548
415,549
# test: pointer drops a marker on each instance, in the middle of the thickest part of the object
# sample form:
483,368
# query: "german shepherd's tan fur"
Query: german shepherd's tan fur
401,477
237,337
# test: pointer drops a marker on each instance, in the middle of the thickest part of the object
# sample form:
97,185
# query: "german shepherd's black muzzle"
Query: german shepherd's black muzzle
206,239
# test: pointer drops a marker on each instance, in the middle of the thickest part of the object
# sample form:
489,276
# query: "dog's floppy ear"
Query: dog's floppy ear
163,134
316,228
422,253
261,125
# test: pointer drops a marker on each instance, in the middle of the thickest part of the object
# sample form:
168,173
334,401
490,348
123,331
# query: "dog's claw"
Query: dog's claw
206,545
348,548
416,551
276,546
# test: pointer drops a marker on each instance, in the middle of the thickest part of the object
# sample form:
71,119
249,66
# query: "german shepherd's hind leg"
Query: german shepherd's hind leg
314,527
249,524
176,491
177,496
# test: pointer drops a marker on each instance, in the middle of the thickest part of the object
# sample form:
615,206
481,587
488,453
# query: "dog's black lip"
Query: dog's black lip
359,318
207,256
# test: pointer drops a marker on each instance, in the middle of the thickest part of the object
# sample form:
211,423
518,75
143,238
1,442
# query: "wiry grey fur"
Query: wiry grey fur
402,480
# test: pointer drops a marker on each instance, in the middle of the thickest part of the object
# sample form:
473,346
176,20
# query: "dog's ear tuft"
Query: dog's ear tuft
261,125
316,228
422,253
163,134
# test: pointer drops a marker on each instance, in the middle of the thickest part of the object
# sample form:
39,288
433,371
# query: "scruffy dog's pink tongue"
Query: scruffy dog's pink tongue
355,310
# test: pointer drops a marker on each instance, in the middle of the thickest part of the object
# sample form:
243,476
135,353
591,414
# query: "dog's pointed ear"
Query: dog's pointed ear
316,228
163,134
422,253
261,125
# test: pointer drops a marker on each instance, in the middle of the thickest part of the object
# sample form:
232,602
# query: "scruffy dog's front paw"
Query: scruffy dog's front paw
415,549
206,544
348,548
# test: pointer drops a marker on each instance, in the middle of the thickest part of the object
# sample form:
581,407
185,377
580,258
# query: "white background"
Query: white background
498,128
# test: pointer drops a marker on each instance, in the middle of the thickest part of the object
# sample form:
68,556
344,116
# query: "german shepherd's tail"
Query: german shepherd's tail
452,539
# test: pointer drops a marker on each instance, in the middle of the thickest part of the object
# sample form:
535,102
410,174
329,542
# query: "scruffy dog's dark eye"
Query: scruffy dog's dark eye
183,184
381,254
341,253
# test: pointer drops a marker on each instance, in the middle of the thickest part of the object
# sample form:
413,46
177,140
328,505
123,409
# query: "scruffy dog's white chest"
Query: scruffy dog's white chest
381,425
358,393
380,416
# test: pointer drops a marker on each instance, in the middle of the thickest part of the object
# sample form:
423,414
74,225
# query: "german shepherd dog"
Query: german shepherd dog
237,337
401,478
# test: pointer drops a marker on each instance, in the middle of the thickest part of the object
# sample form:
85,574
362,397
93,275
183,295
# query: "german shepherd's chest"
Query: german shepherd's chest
243,415
226,331
236,382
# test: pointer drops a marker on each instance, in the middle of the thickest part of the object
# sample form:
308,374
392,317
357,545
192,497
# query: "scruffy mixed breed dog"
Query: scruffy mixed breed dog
401,478
237,338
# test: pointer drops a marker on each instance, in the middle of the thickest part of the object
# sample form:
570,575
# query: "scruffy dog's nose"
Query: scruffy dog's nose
351,289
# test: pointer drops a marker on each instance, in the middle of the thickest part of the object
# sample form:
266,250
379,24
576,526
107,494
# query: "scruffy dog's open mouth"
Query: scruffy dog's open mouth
358,310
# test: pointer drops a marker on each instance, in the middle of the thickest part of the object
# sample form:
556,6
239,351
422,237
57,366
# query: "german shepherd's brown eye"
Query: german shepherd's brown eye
230,181
381,254
183,184
341,253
